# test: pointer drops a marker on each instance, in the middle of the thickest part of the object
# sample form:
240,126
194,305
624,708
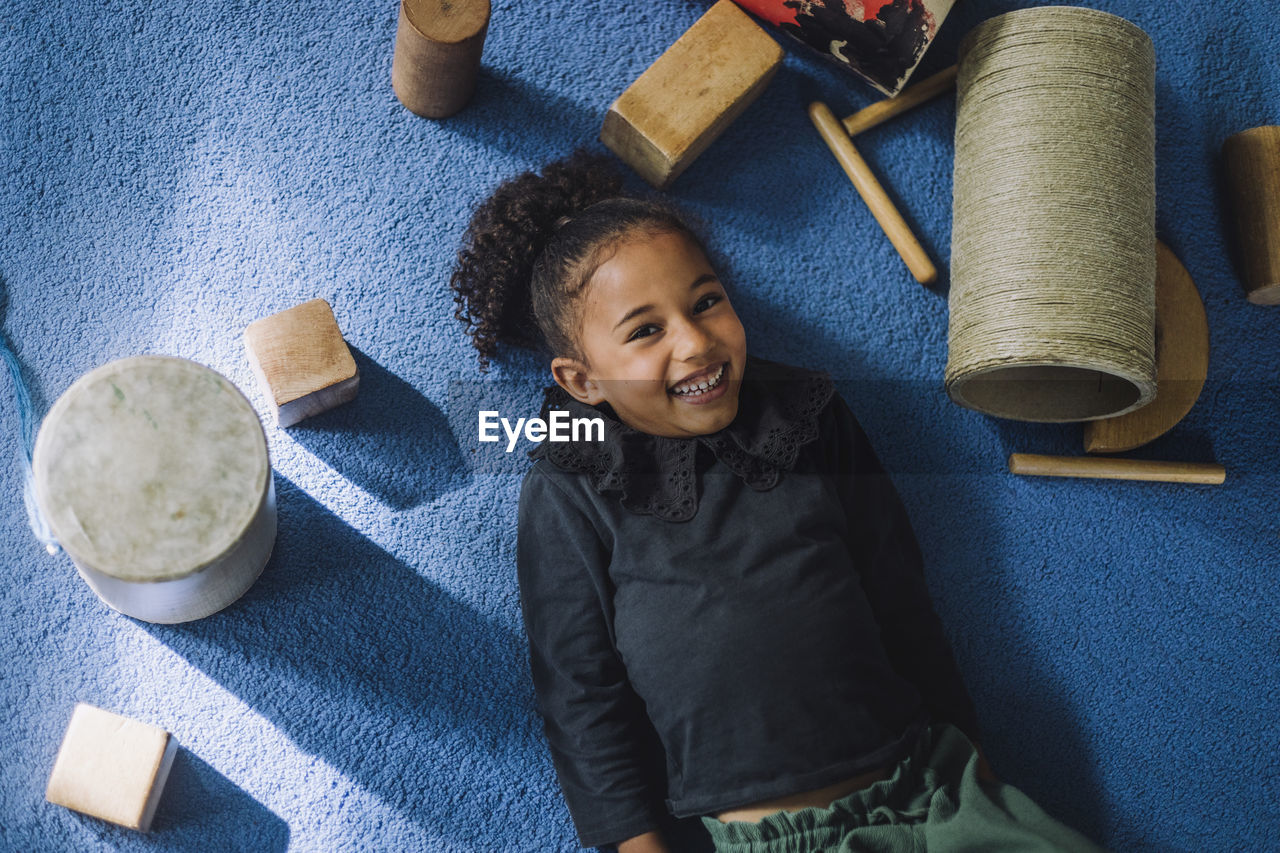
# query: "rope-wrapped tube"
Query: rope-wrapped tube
1053,262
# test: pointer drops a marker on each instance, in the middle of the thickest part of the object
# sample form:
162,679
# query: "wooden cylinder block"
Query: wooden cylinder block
1252,161
437,58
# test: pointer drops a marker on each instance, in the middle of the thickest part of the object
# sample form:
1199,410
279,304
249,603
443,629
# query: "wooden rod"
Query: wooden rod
1036,465
864,181
882,111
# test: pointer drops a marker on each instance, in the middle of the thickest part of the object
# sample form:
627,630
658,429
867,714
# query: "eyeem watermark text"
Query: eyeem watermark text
560,427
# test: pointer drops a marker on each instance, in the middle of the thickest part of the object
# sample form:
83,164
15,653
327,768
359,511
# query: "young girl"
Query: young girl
726,611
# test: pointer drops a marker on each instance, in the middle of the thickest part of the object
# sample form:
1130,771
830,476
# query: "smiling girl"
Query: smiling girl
725,603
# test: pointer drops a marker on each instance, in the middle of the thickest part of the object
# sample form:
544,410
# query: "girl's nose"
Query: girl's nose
692,341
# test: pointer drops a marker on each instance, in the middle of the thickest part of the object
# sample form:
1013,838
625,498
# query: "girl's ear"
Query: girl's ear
574,377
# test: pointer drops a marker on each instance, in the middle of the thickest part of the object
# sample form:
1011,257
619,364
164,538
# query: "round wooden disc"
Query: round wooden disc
447,21
149,469
1182,363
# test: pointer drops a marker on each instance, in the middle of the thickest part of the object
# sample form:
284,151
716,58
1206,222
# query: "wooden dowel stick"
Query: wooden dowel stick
882,111
1036,465
864,181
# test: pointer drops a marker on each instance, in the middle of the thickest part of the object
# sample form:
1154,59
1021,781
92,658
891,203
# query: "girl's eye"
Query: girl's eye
643,332
706,302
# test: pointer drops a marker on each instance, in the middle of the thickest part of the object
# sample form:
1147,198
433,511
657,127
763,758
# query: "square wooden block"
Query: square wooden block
111,767
691,93
302,363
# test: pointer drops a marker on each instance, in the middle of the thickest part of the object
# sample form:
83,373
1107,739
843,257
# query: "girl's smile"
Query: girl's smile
702,387
662,345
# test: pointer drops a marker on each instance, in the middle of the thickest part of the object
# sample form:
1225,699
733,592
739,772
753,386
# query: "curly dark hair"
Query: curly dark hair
533,245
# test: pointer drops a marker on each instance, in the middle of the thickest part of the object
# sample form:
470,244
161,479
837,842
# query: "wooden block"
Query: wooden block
437,55
1252,161
686,99
302,362
111,767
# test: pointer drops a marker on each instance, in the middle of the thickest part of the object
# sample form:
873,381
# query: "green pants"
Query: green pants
933,801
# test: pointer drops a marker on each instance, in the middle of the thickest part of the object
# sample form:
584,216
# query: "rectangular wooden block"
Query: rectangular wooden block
686,98
301,361
111,767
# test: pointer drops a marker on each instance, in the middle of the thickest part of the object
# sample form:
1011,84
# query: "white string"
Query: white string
28,425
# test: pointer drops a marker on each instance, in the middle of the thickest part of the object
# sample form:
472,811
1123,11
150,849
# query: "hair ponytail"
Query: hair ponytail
507,234
533,245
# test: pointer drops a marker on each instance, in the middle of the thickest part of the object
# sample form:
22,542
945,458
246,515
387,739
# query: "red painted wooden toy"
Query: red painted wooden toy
880,40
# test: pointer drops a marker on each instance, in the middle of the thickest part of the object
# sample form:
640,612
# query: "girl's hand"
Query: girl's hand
650,842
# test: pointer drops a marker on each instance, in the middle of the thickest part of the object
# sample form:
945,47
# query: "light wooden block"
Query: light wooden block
686,98
111,767
302,363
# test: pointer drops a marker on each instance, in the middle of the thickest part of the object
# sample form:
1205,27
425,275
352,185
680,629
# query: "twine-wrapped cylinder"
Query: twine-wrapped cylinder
1053,261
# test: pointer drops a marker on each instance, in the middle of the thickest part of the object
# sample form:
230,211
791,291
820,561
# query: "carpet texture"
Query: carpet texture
174,171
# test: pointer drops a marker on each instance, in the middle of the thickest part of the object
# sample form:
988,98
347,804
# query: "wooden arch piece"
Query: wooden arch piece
1182,362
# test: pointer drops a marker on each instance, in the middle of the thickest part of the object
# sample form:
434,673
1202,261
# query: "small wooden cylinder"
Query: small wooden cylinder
437,58
1252,165
153,475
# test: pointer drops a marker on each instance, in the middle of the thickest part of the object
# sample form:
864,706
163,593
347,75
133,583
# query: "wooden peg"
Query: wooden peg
1182,363
1107,468
864,181
1252,161
437,57
881,111
691,93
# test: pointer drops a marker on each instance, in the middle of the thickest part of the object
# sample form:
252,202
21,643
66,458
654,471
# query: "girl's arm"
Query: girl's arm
594,723
891,567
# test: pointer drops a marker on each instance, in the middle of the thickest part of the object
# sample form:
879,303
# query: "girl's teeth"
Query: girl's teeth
699,387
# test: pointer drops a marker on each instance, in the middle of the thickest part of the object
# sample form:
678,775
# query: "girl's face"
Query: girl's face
663,345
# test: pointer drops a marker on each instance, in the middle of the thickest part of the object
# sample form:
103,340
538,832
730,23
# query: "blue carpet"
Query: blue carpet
174,171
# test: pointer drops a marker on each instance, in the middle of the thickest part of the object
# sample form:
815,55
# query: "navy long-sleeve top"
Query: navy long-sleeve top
744,613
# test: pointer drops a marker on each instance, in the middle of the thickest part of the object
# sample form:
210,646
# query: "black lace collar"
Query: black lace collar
777,415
